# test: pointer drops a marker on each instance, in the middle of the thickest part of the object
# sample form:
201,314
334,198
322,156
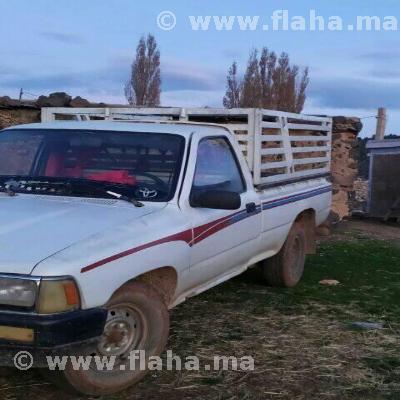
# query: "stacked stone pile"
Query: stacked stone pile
344,164
14,112
359,203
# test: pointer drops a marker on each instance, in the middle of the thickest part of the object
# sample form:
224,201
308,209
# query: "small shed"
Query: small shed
384,178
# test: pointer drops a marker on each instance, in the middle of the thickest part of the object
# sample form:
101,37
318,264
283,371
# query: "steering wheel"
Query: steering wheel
158,185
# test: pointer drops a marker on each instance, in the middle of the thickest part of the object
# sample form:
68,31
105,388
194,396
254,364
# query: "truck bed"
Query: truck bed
279,147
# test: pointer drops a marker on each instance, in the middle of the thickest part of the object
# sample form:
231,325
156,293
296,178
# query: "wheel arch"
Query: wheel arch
308,219
163,280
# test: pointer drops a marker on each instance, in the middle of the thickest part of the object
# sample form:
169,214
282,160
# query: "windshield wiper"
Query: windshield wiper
69,185
9,191
132,200
103,187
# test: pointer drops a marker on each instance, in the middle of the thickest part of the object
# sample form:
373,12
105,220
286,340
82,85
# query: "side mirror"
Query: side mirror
215,199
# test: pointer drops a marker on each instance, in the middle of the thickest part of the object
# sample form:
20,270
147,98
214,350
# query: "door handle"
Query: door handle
251,207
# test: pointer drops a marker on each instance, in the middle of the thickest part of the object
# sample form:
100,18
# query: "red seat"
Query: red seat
55,164
119,176
56,161
56,168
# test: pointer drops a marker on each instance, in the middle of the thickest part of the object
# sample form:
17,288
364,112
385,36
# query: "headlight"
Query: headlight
18,292
49,295
57,296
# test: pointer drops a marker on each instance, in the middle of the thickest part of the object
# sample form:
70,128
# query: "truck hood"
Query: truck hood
34,227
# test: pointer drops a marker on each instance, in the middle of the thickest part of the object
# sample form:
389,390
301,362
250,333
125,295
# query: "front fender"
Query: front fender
105,262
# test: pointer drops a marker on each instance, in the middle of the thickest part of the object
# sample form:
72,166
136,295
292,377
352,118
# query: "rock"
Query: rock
323,230
361,189
329,282
79,102
340,204
352,165
367,325
58,99
333,219
343,124
6,101
345,180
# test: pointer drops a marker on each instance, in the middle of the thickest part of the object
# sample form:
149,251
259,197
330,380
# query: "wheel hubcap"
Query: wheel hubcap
122,332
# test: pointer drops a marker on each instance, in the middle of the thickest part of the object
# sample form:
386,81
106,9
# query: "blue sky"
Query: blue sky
86,47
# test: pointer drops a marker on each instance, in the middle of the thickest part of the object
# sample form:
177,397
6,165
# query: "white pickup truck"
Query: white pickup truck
108,225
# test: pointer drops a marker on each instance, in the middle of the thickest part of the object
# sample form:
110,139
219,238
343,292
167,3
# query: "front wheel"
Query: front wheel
137,319
286,268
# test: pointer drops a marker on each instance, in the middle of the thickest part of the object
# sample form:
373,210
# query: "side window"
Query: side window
217,167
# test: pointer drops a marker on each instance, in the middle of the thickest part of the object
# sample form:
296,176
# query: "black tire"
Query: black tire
155,328
286,268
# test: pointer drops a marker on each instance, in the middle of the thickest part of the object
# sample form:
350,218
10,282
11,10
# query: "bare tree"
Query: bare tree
232,95
250,95
267,67
301,92
272,83
283,90
144,85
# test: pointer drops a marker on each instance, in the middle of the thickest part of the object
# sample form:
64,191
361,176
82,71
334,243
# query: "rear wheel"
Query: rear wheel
137,319
286,268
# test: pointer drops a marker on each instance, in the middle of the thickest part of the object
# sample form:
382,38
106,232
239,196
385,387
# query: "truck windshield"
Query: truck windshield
143,165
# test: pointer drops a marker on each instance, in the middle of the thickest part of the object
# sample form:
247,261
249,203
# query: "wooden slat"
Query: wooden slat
286,143
310,138
272,125
306,127
237,127
272,151
244,138
271,138
141,118
146,111
255,120
272,165
273,113
115,111
285,177
310,149
314,160
221,112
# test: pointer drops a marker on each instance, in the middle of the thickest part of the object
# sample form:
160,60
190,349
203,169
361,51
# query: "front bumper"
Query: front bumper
58,334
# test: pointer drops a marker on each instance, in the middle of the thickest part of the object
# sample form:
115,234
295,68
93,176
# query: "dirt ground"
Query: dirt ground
302,340
373,229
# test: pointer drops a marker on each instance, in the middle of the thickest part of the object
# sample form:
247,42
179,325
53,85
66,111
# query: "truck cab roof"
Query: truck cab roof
169,127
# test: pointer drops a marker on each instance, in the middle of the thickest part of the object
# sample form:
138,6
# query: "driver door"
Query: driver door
223,239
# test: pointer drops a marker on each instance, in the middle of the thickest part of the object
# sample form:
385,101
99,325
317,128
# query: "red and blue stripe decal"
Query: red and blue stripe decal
202,232
297,197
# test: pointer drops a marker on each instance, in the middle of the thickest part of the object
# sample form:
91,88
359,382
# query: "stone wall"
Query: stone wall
344,165
14,112
18,115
